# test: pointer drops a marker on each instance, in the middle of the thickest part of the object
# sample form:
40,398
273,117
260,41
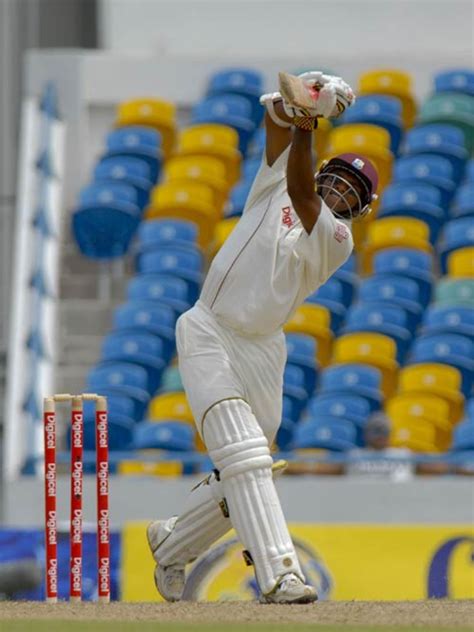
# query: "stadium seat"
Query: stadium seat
332,433
204,169
440,380
442,140
463,203
157,233
285,433
458,233
370,140
238,198
331,295
153,317
430,169
455,292
451,108
390,232
381,318
413,436
351,407
143,349
394,290
449,319
164,289
422,410
121,378
452,349
125,170
191,201
377,350
218,141
171,380
257,144
384,111
108,192
461,263
139,142
172,436
231,110
154,113
469,175
183,263
463,436
120,432
353,379
349,279
313,320
415,200
245,82
301,351
222,232
250,168
407,262
457,80
391,82
170,406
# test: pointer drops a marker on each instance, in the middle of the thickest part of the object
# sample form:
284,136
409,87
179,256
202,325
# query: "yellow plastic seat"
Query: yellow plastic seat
414,436
315,321
375,349
461,263
170,406
391,232
441,380
391,82
423,410
152,113
223,230
192,201
218,141
146,468
205,169
360,134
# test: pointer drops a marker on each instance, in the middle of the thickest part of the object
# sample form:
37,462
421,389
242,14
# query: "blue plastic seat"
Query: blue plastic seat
301,351
463,436
353,379
407,262
447,319
334,433
289,411
463,203
132,171
382,110
152,317
250,168
430,169
294,387
185,263
99,193
469,174
257,144
469,409
394,290
121,378
452,349
241,81
458,233
154,234
120,430
165,289
382,318
143,349
167,435
351,407
332,296
137,142
444,140
457,80
419,200
284,436
116,404
232,110
238,198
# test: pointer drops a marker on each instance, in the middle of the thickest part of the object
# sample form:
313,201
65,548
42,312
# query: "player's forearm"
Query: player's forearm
278,138
300,179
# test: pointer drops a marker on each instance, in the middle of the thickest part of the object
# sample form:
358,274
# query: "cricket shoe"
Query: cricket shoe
169,580
290,589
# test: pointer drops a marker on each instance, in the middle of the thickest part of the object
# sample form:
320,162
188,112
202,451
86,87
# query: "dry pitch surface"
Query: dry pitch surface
433,616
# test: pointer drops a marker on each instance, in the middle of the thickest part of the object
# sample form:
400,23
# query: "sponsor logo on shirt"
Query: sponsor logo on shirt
286,219
341,233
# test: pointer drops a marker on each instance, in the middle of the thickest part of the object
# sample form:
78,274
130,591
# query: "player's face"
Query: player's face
341,191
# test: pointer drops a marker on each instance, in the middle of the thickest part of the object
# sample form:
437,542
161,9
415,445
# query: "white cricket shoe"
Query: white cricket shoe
169,580
291,589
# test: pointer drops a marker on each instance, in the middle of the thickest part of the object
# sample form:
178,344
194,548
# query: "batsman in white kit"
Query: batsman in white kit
294,233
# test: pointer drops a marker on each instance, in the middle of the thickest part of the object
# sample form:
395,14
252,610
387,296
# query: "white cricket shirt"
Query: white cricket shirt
269,264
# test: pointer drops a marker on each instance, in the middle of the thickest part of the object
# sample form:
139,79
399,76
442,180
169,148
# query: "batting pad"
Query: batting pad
201,523
240,452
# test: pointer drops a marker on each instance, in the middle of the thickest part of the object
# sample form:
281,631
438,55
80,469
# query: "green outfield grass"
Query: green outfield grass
148,626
